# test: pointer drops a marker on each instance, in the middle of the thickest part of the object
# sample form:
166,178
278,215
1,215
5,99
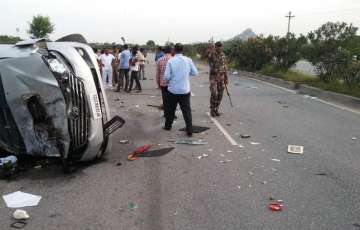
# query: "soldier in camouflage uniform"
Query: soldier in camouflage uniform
218,76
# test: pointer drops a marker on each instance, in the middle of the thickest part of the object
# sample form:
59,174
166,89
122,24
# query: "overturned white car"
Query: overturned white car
52,102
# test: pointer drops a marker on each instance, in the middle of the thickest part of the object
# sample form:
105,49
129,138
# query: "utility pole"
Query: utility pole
289,16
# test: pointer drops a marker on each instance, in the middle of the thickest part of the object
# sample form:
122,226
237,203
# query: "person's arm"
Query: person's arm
193,69
158,68
167,75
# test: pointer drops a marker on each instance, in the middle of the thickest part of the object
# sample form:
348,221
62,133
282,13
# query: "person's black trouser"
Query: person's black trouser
123,73
135,77
163,93
171,102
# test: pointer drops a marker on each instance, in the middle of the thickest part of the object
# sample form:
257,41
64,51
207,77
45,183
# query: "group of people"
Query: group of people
123,67
173,74
173,71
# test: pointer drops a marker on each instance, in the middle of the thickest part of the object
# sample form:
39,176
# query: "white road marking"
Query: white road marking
226,134
316,99
273,85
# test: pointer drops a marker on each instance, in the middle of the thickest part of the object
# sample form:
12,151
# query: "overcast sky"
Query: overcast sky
180,21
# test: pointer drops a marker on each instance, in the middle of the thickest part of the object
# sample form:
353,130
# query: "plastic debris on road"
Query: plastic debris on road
20,214
124,141
226,161
191,142
296,149
251,173
229,151
276,160
20,199
354,138
245,136
275,207
235,73
202,156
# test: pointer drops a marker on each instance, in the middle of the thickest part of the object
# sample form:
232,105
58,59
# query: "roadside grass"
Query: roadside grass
295,76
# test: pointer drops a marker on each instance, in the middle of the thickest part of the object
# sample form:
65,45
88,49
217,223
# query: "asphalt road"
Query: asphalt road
320,188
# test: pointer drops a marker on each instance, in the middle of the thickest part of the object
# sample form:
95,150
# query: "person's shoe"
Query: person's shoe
117,90
189,134
212,114
166,128
138,91
217,114
144,78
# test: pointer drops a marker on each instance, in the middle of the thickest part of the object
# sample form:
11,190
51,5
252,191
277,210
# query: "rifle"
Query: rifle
227,92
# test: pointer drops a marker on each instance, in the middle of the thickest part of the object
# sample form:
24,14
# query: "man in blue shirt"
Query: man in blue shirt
159,53
177,72
124,58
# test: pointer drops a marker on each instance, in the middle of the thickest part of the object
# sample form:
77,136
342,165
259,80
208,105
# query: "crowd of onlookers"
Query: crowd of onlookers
121,67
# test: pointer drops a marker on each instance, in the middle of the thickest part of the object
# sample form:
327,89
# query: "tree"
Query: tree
5,39
40,26
332,48
150,43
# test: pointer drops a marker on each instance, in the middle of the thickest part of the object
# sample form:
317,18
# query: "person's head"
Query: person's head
167,49
102,51
106,52
134,50
126,47
142,50
159,49
178,48
218,46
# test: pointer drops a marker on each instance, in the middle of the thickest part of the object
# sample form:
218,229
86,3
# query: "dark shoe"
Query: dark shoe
189,134
212,114
166,128
217,114
138,91
144,78
117,90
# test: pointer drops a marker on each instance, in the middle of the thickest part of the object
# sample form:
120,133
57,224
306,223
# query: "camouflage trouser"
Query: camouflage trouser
217,91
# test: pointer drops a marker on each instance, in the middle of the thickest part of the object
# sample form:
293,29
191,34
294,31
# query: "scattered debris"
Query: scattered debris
137,106
245,136
229,151
202,156
250,186
226,161
160,107
321,174
18,224
235,73
285,106
236,83
191,142
356,225
263,182
20,214
117,99
239,187
124,142
134,155
210,150
275,207
228,124
222,155
254,143
132,206
313,98
20,199
354,138
276,160
241,146
118,164
251,173
274,136
295,149
38,167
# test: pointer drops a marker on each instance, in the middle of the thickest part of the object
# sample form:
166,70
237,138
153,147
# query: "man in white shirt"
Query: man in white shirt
107,70
178,71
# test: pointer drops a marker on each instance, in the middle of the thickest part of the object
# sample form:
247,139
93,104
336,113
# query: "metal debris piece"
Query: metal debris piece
124,141
191,142
245,136
295,149
20,214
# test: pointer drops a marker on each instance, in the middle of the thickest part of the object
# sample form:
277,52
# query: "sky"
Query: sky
183,21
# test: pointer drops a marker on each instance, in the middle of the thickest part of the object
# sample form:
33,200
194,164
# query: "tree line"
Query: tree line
333,49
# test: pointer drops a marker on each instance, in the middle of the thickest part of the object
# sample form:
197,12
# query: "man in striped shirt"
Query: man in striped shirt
160,71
